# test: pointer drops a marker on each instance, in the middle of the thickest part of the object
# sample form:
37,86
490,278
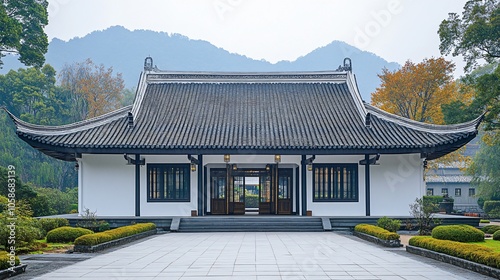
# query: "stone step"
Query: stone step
251,224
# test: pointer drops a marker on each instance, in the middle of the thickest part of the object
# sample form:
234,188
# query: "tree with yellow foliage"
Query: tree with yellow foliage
417,91
93,89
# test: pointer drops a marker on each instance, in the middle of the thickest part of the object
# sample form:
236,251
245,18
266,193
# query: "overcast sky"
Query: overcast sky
273,30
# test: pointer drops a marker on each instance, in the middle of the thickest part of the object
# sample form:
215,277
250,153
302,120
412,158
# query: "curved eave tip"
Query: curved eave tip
14,118
480,119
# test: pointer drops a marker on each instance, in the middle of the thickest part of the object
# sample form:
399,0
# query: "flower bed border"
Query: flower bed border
386,243
18,269
112,243
466,264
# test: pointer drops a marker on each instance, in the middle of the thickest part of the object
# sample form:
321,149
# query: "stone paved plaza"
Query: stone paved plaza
253,255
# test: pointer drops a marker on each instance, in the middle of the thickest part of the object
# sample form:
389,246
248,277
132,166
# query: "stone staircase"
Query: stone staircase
250,224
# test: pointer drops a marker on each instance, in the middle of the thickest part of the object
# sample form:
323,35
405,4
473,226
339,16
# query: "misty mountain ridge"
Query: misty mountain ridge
125,51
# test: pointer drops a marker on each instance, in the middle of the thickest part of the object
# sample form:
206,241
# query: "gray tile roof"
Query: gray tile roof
448,179
249,113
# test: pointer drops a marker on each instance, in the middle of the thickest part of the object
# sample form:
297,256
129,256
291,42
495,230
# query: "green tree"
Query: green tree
475,35
485,169
32,95
21,30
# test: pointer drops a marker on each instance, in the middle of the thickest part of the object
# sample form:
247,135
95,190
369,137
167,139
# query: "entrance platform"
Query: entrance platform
255,223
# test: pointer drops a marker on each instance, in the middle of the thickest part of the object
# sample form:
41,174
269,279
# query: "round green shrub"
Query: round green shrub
496,235
49,224
66,234
389,224
490,229
460,233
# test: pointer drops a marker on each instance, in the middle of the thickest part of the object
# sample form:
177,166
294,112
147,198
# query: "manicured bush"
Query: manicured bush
472,252
112,234
376,231
490,229
49,224
491,205
66,234
460,233
484,221
389,224
496,235
6,260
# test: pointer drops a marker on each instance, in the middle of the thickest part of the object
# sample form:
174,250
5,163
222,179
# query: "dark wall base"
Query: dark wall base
99,247
373,239
472,266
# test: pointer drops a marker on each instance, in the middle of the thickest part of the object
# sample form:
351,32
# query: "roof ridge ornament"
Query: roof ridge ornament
347,65
148,64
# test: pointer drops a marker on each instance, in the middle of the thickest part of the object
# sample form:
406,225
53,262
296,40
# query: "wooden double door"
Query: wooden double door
240,191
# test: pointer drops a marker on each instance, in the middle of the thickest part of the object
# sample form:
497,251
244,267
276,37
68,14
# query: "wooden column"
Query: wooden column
297,191
137,185
303,168
367,185
205,191
201,193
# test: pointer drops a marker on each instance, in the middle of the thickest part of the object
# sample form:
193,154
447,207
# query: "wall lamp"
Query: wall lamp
268,167
277,158
194,161
235,167
227,158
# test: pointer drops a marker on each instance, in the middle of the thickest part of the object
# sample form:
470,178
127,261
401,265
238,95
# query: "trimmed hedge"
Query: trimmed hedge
496,235
491,205
376,231
5,260
490,229
66,234
459,233
472,252
112,234
484,221
49,224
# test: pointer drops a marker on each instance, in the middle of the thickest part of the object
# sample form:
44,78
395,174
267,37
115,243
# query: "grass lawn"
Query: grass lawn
493,244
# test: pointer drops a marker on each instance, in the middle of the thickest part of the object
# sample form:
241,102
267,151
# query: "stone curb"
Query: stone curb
6,273
469,265
112,243
373,239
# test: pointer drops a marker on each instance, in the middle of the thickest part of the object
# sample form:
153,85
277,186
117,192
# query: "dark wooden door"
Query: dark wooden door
284,191
218,183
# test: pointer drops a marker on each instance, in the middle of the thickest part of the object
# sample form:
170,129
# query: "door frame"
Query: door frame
273,205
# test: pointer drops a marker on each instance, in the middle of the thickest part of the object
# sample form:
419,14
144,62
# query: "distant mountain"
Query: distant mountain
125,51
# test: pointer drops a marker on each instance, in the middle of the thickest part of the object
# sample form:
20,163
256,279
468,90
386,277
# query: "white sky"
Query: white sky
273,30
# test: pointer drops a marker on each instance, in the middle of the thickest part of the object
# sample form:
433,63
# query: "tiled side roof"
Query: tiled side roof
448,179
280,114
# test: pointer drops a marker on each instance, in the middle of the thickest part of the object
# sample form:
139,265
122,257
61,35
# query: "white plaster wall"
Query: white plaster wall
106,185
168,208
337,208
395,184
